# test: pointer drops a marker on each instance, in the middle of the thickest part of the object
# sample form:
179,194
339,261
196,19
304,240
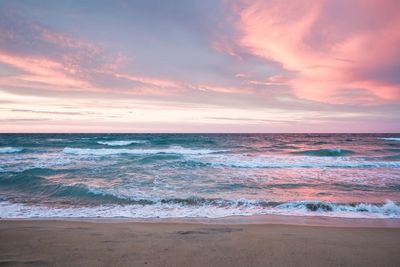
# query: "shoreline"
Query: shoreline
290,220
169,243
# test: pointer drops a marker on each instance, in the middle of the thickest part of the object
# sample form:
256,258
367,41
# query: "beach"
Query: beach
196,243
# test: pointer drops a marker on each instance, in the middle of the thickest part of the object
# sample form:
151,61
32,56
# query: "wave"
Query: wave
35,186
148,159
55,140
395,150
233,161
327,152
282,146
193,207
388,209
54,160
114,151
392,157
187,139
121,142
318,143
8,150
390,138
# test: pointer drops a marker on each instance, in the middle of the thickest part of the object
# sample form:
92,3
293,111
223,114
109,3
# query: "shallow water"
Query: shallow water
199,175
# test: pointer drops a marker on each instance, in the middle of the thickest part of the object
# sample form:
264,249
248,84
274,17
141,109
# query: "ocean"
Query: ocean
199,175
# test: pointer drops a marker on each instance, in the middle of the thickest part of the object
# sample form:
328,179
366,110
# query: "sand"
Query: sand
102,243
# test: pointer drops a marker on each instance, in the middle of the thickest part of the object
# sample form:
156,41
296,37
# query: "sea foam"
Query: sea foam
236,161
179,210
115,151
121,142
389,209
7,150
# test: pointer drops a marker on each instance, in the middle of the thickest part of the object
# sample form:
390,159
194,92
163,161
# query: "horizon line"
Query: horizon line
199,132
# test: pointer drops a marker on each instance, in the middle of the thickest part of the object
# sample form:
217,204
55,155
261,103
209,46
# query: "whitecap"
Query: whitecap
235,161
388,210
121,142
8,150
161,210
115,151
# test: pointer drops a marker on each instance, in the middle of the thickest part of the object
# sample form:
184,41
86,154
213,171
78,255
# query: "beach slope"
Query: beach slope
72,243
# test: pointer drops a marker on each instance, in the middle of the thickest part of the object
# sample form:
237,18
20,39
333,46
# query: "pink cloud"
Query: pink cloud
38,70
63,40
51,61
333,47
150,81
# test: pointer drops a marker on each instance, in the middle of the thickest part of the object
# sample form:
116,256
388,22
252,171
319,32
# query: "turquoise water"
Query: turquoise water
199,175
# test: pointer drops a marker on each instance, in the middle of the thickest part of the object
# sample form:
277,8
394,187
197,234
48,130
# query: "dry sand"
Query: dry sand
74,243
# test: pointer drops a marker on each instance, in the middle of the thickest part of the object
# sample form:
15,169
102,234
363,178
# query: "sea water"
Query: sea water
199,175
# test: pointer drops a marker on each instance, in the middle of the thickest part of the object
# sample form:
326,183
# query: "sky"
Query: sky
200,66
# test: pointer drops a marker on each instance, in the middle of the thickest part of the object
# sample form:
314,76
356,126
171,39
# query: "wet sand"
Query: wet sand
167,243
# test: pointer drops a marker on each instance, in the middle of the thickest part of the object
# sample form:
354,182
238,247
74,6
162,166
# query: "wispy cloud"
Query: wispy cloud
333,47
251,120
48,112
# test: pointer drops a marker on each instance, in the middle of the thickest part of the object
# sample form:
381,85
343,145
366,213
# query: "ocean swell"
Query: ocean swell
327,152
37,187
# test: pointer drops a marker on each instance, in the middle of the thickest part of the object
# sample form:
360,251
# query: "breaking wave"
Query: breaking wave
122,142
290,162
8,150
389,209
205,208
115,151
